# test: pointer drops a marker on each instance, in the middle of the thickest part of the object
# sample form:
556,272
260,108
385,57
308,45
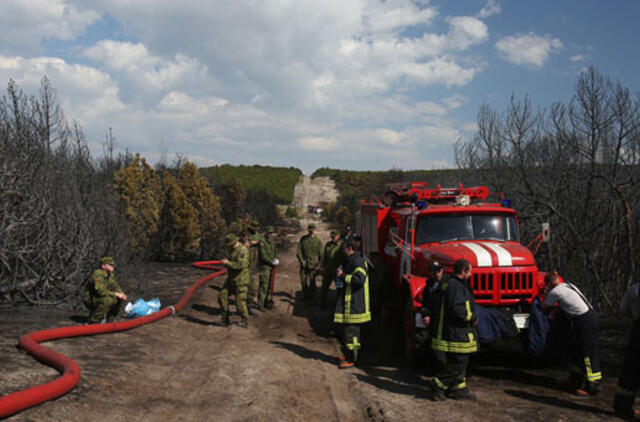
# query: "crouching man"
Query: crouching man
103,296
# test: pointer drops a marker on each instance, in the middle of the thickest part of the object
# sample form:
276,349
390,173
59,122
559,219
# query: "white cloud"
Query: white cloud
84,91
528,49
579,58
470,127
318,143
455,101
144,76
26,23
265,81
490,9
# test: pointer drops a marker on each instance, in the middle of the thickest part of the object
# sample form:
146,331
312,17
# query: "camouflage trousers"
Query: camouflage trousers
308,282
103,308
266,274
241,293
253,287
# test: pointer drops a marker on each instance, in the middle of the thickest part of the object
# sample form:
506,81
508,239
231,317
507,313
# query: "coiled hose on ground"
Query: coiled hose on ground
21,400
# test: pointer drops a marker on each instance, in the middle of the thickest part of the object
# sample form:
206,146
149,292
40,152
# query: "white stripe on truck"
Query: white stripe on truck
504,256
483,257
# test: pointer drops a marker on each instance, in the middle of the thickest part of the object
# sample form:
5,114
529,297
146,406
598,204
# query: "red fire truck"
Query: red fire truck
412,226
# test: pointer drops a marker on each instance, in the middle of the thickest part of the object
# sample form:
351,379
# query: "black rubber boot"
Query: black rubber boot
224,321
463,394
437,393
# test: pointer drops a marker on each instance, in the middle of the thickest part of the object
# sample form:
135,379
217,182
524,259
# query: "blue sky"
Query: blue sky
360,84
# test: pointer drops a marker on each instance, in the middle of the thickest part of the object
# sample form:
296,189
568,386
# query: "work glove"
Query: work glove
275,262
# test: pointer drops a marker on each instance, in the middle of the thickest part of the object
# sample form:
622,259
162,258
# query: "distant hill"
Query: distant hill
277,182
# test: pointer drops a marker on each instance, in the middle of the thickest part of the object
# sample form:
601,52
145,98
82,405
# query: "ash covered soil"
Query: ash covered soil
283,367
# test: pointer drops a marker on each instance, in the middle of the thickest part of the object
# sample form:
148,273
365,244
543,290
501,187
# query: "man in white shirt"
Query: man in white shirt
584,362
629,380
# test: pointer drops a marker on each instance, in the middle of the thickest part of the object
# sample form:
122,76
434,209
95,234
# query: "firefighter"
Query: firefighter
430,292
584,358
237,280
267,251
454,334
103,296
352,306
310,257
629,380
331,259
348,232
254,241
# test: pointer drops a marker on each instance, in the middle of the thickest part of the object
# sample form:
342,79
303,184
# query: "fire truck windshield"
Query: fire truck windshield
451,227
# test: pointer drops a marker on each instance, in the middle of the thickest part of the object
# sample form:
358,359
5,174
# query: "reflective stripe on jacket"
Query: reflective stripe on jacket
352,306
455,318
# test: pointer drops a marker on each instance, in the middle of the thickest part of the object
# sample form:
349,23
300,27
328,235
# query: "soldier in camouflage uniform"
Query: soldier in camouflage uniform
237,280
310,258
254,243
267,251
331,259
103,295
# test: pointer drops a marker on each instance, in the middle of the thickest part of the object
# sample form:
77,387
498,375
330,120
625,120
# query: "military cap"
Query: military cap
269,229
108,261
230,239
311,226
333,233
255,224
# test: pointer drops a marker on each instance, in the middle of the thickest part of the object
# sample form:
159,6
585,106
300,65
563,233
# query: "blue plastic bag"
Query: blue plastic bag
142,307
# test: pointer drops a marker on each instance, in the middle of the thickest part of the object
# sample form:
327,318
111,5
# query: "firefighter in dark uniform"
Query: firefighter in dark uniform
584,364
430,293
629,380
454,334
352,306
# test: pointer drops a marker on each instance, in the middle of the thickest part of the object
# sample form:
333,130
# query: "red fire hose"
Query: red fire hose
21,400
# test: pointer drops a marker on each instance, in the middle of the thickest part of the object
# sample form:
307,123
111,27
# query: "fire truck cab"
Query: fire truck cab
412,226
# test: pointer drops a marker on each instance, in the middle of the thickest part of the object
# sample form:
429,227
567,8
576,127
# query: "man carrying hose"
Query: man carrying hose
103,295
237,280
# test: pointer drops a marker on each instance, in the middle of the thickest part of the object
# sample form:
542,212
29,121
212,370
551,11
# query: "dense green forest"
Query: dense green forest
277,182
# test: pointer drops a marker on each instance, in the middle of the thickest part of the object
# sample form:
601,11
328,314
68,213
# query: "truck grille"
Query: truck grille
502,287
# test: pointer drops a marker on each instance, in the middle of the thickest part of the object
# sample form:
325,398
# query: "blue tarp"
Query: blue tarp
538,329
494,324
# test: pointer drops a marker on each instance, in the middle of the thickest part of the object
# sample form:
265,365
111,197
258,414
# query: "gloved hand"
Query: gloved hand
275,262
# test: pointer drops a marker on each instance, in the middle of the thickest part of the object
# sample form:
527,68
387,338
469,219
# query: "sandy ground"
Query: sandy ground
282,367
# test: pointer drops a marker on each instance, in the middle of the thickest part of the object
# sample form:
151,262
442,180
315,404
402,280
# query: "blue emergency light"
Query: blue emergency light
506,203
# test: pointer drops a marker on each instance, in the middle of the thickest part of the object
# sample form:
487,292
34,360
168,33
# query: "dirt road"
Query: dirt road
282,367
315,191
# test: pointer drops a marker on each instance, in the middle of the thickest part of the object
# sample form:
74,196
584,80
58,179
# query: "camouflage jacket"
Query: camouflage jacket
268,251
254,250
310,252
102,284
238,266
332,256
